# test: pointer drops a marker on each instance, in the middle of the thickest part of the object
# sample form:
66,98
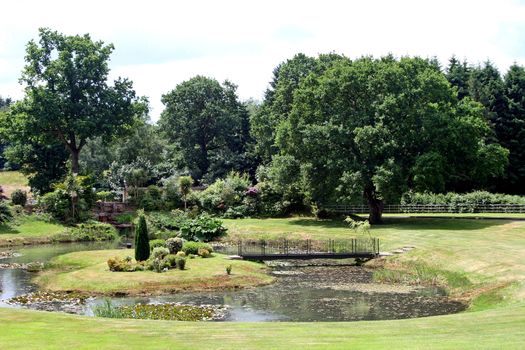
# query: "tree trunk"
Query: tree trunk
74,160
376,207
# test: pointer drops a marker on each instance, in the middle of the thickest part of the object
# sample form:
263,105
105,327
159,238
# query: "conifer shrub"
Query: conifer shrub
142,250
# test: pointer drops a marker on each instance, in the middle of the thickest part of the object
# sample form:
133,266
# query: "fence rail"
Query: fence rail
303,249
432,208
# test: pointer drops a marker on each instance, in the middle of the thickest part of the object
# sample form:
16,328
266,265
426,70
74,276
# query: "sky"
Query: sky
159,44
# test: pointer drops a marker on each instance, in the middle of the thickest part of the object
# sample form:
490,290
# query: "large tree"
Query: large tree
510,129
278,99
373,128
67,95
209,125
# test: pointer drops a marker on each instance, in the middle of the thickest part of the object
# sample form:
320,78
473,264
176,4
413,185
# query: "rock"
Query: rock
398,251
385,254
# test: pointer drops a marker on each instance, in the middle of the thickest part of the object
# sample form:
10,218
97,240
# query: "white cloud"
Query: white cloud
161,43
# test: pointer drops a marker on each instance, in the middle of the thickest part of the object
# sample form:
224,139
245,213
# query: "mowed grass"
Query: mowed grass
28,229
502,328
88,272
12,180
489,253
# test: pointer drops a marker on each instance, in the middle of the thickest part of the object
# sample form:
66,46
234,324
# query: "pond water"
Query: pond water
301,292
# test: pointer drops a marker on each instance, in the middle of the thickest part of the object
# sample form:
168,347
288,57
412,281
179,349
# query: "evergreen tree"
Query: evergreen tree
141,240
458,74
511,129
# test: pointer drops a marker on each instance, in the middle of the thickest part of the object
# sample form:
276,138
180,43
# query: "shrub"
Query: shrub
229,269
155,243
63,206
141,240
105,196
203,228
5,213
456,202
2,196
163,224
125,218
117,264
160,253
19,197
203,253
193,247
174,244
181,253
172,196
172,260
181,262
93,231
152,198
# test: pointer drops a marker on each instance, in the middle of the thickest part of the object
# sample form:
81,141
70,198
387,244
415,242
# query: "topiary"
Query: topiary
19,197
174,244
141,240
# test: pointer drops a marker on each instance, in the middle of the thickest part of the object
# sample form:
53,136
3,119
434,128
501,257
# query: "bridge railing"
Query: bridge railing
430,208
308,247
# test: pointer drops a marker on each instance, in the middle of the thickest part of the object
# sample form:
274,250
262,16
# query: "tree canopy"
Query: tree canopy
209,125
373,128
67,96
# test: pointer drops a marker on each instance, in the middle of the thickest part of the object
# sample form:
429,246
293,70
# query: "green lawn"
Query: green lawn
27,230
12,180
88,272
489,253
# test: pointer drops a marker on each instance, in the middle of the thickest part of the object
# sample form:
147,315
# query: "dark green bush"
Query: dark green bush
93,231
156,243
181,262
5,213
193,247
19,197
174,244
166,224
152,199
172,260
63,206
203,228
142,250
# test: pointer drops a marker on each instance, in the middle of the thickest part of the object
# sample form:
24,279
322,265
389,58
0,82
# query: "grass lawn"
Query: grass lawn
28,229
88,272
490,254
12,180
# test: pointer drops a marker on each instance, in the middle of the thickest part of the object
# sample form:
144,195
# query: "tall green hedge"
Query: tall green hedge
141,240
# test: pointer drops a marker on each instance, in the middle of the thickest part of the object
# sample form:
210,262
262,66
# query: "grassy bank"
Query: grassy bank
88,272
28,230
12,180
501,328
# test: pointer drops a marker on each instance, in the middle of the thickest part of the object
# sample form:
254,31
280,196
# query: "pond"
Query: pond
303,291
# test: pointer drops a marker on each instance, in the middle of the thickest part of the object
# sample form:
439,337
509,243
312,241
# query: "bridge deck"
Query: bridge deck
305,256
365,248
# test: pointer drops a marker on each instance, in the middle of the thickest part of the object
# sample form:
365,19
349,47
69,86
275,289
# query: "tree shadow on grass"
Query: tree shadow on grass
5,229
410,224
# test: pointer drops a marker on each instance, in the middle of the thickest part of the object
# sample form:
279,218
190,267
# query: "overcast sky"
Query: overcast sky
159,44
